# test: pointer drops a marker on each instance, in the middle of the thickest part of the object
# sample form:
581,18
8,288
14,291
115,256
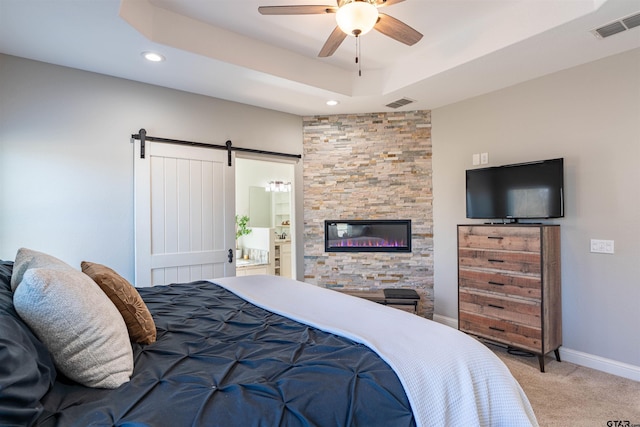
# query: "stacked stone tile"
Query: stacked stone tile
369,166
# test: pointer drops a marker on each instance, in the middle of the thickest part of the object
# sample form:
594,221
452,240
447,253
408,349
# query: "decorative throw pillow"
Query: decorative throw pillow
28,258
80,326
127,300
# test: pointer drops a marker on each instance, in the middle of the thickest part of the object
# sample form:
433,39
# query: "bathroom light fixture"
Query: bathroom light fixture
332,103
278,187
152,56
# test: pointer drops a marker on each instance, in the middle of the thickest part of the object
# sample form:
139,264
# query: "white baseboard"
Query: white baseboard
587,360
609,366
449,321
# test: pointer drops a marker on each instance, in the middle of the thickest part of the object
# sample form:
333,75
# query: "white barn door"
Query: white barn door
184,214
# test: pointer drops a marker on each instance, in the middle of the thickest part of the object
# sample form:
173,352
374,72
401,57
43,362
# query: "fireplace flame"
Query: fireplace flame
367,235
369,243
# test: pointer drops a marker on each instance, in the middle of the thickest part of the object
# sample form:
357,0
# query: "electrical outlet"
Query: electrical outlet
475,159
602,246
484,158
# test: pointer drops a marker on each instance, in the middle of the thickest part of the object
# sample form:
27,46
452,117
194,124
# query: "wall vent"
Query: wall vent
400,103
622,24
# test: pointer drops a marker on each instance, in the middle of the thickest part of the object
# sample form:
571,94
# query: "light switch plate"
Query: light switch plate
602,246
475,159
484,158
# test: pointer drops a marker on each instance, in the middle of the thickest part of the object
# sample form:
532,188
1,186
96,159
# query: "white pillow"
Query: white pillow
28,258
77,322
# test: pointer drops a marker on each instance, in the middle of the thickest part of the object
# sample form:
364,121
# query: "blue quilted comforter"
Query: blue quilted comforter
221,361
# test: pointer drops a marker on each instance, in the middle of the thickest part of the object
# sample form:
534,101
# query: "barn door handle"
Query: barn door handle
230,256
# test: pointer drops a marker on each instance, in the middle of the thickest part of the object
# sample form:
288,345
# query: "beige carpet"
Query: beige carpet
571,395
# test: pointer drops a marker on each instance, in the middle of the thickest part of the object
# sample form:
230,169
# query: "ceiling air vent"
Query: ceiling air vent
632,21
618,26
400,103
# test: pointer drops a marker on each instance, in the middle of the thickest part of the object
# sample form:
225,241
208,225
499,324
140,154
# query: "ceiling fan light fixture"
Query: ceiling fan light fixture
357,18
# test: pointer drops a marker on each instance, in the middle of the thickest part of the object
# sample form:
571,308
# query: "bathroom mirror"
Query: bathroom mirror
259,207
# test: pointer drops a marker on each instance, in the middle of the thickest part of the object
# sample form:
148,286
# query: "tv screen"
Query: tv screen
531,190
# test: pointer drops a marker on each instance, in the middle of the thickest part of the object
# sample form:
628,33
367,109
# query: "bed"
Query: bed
266,351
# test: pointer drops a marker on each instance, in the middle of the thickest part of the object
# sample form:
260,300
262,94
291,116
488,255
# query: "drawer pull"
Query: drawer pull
495,260
495,237
495,306
496,283
496,329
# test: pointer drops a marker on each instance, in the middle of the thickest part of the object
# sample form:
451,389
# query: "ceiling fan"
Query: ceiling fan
353,17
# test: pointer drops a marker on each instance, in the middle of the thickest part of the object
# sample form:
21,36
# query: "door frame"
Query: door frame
296,225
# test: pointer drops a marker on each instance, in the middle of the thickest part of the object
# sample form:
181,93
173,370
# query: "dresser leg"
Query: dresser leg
557,352
541,361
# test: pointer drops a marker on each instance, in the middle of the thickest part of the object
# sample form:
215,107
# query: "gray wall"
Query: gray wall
66,160
590,115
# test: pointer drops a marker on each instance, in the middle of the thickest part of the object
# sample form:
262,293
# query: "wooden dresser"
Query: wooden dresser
509,285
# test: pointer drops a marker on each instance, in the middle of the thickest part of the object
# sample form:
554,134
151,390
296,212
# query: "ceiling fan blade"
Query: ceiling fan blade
333,42
397,30
296,10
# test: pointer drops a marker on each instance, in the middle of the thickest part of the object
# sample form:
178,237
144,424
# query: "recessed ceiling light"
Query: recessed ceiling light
332,102
153,57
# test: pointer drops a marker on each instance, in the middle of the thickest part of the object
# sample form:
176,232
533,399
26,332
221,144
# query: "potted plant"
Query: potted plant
241,230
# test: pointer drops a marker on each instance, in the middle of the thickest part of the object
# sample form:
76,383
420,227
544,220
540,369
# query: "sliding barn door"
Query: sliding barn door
184,214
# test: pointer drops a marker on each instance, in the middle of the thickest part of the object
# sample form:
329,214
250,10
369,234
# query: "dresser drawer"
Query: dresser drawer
525,337
501,283
518,262
499,237
523,312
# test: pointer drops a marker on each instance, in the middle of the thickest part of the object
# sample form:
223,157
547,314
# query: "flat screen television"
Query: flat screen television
532,190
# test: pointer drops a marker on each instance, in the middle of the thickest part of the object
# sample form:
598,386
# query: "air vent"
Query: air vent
400,103
632,21
618,26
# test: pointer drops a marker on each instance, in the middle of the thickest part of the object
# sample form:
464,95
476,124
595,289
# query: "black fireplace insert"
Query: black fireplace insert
367,235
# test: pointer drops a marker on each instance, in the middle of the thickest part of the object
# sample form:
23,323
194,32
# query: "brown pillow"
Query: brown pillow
127,300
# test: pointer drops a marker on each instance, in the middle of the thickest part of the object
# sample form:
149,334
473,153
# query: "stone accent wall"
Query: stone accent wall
369,166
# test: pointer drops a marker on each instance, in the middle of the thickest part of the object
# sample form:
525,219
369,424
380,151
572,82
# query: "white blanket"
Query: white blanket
449,378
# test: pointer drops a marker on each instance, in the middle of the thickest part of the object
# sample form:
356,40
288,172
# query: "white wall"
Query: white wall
66,160
590,115
258,173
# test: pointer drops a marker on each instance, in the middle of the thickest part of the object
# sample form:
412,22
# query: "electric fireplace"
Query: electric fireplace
367,235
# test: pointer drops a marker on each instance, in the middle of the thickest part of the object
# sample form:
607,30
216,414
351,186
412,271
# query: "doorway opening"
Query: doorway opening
265,198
